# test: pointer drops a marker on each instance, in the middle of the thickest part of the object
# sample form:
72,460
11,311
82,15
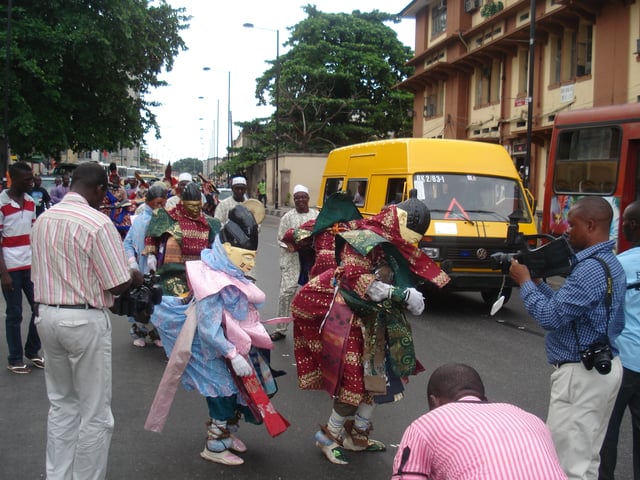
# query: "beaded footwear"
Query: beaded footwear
330,447
224,457
358,440
218,445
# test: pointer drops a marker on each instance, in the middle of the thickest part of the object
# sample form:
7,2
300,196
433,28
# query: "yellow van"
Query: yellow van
471,188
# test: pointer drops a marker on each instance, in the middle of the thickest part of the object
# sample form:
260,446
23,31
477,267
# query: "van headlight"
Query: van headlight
431,252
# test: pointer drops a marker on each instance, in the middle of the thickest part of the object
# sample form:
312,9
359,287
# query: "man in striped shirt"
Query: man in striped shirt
466,437
17,214
79,264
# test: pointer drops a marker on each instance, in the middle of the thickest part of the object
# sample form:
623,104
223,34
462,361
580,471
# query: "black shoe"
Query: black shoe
276,336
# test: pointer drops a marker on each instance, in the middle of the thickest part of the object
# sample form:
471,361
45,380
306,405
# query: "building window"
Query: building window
584,50
523,71
439,18
571,54
434,100
488,83
556,56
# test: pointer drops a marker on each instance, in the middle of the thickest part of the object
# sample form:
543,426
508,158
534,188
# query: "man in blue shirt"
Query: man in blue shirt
575,317
629,345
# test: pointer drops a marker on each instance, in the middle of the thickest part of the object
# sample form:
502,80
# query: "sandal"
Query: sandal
276,336
37,362
19,369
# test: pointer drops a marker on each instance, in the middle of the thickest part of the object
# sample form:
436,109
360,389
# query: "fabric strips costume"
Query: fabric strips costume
221,329
363,246
351,336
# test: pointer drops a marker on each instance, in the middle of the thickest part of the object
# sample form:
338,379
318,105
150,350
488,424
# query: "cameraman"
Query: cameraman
575,317
78,265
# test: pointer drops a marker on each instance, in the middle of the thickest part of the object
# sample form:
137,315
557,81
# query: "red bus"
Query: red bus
593,152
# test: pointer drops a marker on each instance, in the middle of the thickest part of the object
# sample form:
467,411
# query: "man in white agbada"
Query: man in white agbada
239,189
183,180
290,257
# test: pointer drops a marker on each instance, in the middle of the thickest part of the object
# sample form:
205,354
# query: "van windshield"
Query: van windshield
452,196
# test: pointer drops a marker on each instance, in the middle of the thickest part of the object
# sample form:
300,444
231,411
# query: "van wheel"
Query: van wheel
491,295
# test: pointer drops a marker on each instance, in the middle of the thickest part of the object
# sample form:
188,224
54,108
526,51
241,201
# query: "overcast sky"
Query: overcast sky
197,127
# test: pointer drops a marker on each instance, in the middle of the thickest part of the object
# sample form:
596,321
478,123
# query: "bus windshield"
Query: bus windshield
452,196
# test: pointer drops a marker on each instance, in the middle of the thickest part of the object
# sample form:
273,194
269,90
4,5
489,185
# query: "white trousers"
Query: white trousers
77,351
288,287
579,409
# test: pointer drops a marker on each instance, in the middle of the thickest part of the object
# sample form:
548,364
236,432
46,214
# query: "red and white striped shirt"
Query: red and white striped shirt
77,255
471,439
15,228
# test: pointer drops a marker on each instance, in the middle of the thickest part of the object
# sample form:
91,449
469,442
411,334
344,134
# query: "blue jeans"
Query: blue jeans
628,395
13,298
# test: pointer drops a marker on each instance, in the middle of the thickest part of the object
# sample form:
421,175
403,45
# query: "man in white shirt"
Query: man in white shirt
239,189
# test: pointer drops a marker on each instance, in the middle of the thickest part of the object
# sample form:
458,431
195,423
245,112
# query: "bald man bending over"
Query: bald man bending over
581,317
464,436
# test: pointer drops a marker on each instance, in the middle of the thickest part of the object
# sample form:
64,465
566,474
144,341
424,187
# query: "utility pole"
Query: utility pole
532,42
4,155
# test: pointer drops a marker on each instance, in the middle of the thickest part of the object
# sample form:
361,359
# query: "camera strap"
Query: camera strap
608,299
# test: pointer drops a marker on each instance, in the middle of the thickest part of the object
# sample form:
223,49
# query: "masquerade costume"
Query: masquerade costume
177,236
345,342
227,328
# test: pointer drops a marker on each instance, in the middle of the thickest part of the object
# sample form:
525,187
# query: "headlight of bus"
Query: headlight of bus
432,252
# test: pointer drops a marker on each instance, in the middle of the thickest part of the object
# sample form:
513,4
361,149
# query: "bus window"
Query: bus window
331,186
357,189
587,161
471,197
395,190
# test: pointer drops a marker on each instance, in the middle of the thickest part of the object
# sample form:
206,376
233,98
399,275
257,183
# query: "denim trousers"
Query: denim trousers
13,298
628,396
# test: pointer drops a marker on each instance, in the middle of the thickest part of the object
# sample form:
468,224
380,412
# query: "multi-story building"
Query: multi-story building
472,64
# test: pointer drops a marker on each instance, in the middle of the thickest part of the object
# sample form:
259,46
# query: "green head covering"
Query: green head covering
338,208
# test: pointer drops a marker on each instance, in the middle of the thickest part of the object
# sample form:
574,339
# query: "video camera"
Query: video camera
552,258
140,301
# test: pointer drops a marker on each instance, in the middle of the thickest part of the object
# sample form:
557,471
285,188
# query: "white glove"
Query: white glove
414,300
378,291
152,263
241,366
133,263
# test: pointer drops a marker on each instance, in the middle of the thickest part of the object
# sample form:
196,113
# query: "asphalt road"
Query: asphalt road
507,350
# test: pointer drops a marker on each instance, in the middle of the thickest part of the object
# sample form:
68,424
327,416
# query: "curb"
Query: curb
275,212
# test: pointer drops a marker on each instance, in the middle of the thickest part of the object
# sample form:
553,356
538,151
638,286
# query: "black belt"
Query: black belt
559,364
83,306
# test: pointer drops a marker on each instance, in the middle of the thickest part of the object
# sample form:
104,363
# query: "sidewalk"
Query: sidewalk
276,212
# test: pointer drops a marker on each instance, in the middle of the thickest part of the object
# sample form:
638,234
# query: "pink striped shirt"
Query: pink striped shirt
77,255
470,439
15,228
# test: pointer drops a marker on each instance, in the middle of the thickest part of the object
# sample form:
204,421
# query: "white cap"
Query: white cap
300,188
238,181
185,177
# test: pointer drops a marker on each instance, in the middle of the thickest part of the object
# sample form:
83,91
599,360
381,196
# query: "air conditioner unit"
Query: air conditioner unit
471,6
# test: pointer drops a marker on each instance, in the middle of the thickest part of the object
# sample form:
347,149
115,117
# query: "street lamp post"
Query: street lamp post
277,105
217,122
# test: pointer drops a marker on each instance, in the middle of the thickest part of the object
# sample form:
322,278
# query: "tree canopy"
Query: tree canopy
191,165
335,85
80,69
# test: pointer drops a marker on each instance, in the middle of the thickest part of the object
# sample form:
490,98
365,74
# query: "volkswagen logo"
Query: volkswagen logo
481,253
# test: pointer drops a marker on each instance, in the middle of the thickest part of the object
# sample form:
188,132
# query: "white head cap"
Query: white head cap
300,188
238,181
185,177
